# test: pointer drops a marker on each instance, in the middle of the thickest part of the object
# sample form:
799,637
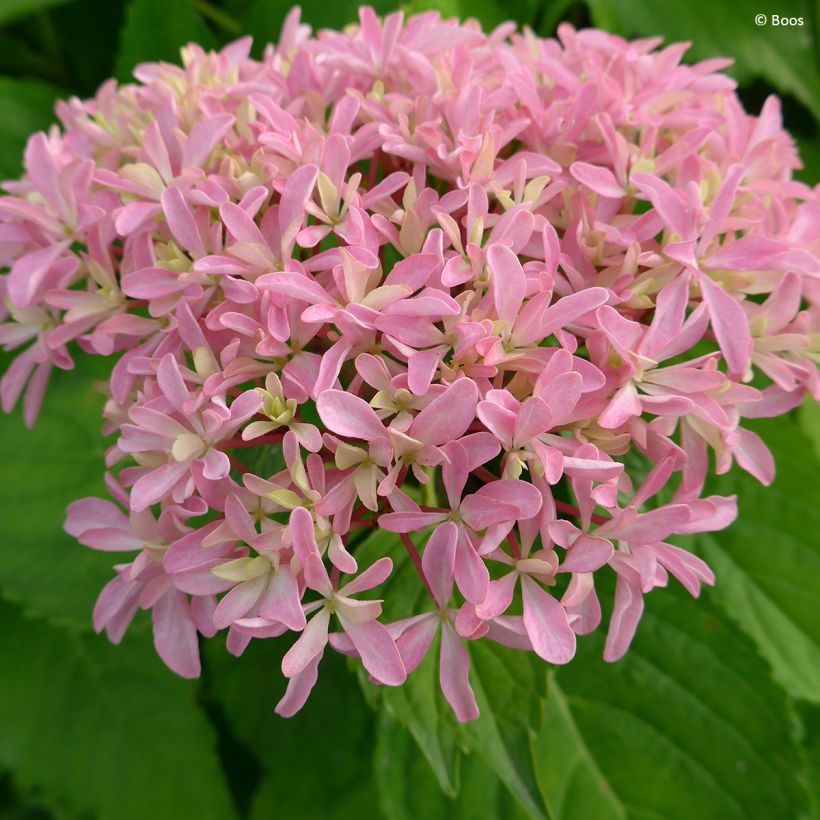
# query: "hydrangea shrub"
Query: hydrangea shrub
506,298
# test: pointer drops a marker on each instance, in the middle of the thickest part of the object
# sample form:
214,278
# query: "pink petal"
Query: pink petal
625,404
522,496
181,221
587,554
598,179
668,202
202,612
535,418
499,597
171,382
30,271
241,226
582,604
730,325
480,512
115,608
454,675
667,323
687,568
754,456
377,649
216,465
438,561
156,485
422,367
239,602
565,311
781,307
348,415
414,642
239,519
110,539
203,137
561,395
648,527
156,422
624,621
94,513
408,521
282,602
500,421
303,535
292,205
299,689
413,271
546,623
508,284
175,635
377,573
448,416
749,253
471,573
310,645
296,286
132,217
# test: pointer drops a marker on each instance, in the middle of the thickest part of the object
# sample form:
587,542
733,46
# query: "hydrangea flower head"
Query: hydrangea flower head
505,299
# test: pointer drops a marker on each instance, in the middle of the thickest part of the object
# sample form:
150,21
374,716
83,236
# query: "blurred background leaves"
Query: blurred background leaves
713,714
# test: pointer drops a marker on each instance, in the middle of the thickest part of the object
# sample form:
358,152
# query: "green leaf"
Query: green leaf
26,106
157,30
264,17
786,56
107,729
408,788
509,686
489,13
570,780
688,724
275,796
78,30
12,9
418,705
17,804
810,725
768,562
327,742
550,15
60,460
808,415
809,149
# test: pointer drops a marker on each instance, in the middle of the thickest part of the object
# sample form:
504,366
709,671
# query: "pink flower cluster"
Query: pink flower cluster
502,296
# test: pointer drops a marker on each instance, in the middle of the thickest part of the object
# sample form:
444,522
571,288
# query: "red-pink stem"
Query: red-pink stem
516,552
484,474
238,465
572,510
238,443
360,525
416,559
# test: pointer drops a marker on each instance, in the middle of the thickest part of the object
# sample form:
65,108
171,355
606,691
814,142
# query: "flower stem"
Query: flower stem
238,443
572,510
514,548
416,559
